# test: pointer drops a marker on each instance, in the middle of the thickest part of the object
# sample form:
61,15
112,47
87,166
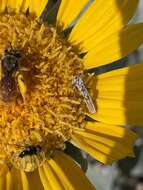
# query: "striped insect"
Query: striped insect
79,84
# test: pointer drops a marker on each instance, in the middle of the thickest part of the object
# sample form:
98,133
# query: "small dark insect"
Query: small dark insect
9,65
30,150
29,159
79,84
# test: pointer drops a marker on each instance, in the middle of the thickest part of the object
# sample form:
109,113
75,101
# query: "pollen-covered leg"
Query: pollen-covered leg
22,86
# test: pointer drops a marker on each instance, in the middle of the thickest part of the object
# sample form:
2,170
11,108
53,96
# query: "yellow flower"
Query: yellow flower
46,92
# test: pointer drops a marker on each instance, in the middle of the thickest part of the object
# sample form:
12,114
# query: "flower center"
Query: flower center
41,106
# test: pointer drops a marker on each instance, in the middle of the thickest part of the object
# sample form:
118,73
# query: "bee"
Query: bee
79,84
10,64
29,159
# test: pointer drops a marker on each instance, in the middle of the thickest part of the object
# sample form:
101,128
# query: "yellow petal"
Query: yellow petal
3,4
72,178
3,182
37,6
98,155
104,142
100,20
55,183
6,182
34,176
115,46
123,136
119,117
15,5
16,179
118,96
59,172
68,11
25,5
44,179
101,152
13,180
105,103
111,130
3,169
9,181
24,181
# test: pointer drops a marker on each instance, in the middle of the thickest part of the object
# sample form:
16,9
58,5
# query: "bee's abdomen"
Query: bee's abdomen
8,89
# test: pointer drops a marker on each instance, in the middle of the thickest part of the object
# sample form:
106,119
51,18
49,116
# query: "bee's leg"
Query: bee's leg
21,85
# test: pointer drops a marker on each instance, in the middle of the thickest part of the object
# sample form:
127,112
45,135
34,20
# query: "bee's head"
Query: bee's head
10,59
12,51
